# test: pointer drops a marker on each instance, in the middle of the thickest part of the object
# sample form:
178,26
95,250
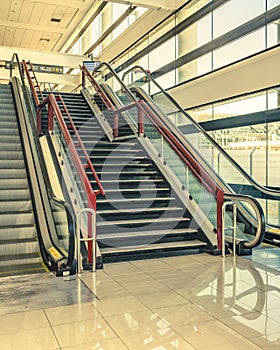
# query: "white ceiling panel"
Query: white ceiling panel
4,9
26,40
35,40
9,36
2,33
37,12
26,11
15,10
19,33
67,18
47,14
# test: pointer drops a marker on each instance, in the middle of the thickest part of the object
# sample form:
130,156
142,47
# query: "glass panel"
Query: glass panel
273,33
273,98
162,55
241,106
239,49
195,68
233,13
190,9
194,36
272,3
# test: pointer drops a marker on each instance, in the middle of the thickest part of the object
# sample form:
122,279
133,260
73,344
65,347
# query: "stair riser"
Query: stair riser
16,220
18,233
19,248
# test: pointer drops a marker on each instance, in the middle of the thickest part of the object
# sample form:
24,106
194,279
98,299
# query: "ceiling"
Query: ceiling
42,25
45,25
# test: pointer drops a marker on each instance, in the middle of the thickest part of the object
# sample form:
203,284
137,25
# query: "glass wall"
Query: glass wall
218,36
255,146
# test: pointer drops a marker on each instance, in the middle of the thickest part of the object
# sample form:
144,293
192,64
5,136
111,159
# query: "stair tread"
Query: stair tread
144,233
136,210
180,244
139,221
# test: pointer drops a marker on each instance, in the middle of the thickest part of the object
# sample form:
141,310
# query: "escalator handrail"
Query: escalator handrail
255,184
77,135
63,204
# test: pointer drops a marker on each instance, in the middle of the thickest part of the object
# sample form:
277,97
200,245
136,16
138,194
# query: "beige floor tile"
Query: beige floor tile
145,288
168,273
108,344
120,268
241,345
269,342
23,321
118,306
208,333
252,325
179,315
88,331
39,339
160,339
71,313
140,321
161,299
138,277
150,264
93,279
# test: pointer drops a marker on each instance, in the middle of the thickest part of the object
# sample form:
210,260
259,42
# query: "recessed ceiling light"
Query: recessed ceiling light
56,20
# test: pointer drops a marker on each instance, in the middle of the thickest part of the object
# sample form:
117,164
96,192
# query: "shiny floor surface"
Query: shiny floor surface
190,302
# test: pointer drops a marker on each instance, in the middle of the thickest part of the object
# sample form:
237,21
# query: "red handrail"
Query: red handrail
89,163
107,102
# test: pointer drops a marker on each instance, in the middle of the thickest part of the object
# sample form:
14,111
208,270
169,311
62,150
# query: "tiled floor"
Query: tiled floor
190,302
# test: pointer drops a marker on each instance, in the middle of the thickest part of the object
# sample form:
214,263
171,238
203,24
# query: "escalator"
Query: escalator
36,227
19,246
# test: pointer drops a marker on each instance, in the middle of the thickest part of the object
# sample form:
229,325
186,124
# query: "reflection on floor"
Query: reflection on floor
190,302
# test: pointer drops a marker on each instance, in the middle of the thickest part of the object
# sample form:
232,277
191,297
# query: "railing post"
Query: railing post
116,124
140,122
50,117
220,201
39,121
91,240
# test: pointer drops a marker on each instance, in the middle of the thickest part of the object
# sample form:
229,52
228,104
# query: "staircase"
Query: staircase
19,246
140,215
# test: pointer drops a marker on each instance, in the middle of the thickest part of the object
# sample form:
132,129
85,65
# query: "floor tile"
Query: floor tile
252,325
241,345
150,264
39,339
209,333
23,321
71,313
120,268
88,331
160,339
140,321
161,299
117,306
108,344
182,315
268,342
